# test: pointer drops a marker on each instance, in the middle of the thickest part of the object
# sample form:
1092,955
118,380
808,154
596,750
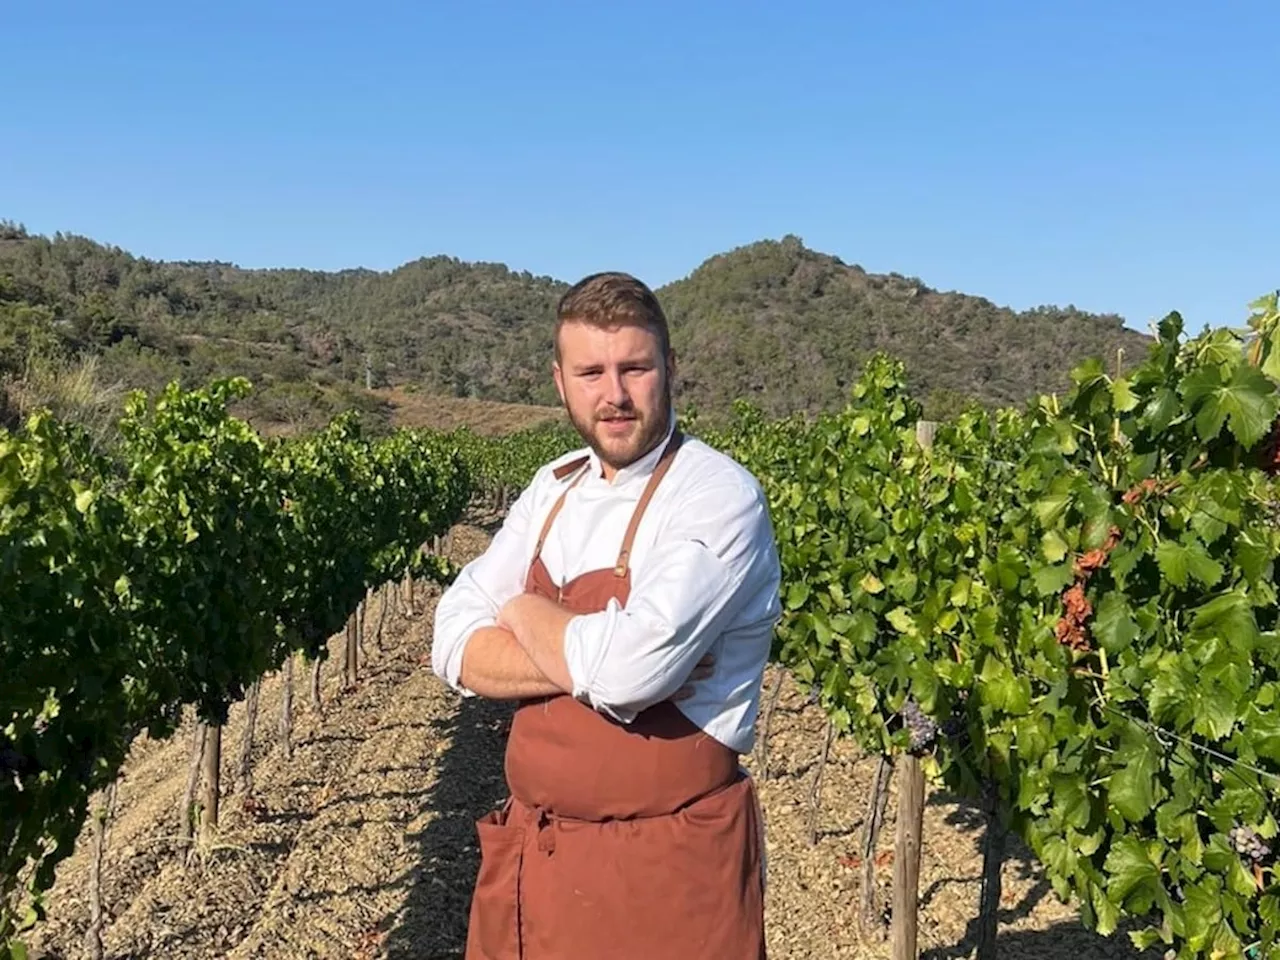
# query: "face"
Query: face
615,385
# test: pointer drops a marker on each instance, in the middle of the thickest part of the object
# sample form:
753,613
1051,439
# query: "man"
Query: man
627,603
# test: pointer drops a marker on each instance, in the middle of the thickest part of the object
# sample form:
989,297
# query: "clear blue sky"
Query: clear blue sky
1122,156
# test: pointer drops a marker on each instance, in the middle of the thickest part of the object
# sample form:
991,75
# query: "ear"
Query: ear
558,376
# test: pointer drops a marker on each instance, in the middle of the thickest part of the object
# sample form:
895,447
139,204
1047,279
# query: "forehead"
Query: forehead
588,343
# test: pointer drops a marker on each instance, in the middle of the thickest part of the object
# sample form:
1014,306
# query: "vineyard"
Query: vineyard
1065,614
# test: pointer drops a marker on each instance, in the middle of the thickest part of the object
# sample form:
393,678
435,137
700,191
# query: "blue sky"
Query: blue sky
1119,156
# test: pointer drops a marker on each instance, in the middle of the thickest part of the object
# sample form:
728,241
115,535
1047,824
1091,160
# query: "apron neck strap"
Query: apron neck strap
551,517
621,568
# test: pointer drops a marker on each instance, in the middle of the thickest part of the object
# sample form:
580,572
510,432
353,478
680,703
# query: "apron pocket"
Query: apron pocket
494,926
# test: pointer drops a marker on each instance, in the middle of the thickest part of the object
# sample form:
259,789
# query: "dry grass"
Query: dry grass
488,417
77,390
73,390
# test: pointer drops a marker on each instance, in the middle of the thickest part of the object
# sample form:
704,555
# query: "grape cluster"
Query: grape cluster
922,728
1248,844
953,726
1273,511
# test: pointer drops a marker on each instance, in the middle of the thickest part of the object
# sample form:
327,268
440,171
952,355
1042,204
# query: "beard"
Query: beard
619,451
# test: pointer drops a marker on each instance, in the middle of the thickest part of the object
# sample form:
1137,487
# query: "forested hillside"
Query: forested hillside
791,329
744,322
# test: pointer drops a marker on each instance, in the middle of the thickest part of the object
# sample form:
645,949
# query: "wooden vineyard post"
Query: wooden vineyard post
910,825
361,610
199,737
357,629
925,432
408,594
385,595
346,654
286,709
244,774
351,665
906,858
212,784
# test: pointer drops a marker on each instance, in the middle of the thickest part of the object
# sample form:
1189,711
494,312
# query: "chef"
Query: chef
627,604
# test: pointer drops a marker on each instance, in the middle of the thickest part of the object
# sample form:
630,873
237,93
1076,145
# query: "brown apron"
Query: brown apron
619,842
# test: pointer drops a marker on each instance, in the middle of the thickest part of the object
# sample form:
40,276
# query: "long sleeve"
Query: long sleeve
481,588
713,569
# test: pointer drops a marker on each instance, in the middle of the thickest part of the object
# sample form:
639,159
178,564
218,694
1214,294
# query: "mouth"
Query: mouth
617,424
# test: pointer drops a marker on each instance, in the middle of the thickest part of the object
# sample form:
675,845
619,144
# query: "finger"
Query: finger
684,693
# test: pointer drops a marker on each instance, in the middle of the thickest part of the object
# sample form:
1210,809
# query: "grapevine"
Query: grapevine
1081,595
175,574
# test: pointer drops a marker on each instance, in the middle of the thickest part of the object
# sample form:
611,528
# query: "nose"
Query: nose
615,389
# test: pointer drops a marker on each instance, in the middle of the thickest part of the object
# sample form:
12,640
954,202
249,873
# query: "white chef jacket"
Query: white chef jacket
704,578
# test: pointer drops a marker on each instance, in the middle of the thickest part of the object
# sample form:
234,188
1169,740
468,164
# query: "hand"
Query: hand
512,614
701,671
506,614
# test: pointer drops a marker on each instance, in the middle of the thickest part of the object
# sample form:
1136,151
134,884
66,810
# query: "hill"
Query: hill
749,321
744,322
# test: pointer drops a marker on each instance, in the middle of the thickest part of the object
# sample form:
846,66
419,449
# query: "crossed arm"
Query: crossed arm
523,656
520,658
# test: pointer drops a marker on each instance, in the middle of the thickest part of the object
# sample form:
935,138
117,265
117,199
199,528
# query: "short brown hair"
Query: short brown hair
609,299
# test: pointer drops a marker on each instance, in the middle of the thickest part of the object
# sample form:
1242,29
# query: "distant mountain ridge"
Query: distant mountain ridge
774,322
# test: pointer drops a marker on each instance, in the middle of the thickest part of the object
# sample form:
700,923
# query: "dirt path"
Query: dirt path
361,846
